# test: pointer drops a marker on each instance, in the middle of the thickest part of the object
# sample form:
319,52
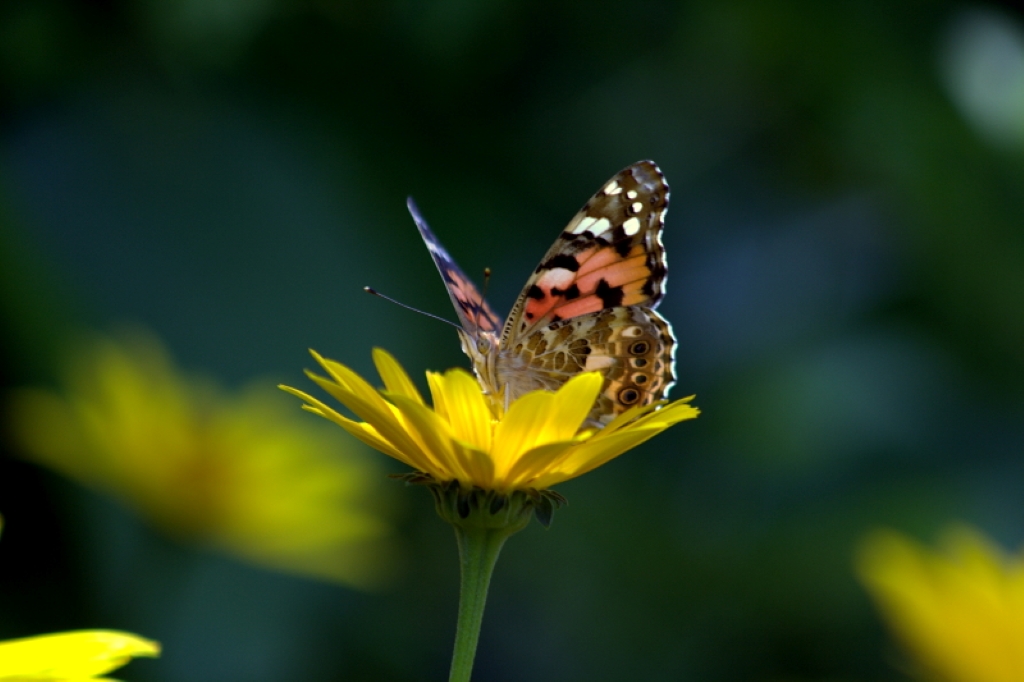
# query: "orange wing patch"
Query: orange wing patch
469,304
603,279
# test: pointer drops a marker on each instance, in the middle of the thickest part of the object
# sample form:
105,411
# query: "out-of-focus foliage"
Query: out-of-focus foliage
959,612
846,256
242,472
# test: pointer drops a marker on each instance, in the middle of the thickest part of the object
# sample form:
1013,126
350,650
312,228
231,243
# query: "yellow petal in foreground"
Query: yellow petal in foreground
71,656
959,612
540,441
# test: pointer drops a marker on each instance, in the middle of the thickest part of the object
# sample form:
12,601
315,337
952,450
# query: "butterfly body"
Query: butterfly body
589,305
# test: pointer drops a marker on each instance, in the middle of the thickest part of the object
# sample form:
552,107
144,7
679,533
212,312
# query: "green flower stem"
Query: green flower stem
478,552
483,520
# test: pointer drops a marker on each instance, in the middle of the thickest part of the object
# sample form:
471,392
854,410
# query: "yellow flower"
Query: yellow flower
242,472
959,612
536,444
70,656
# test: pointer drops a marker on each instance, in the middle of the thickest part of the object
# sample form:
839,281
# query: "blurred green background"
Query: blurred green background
846,250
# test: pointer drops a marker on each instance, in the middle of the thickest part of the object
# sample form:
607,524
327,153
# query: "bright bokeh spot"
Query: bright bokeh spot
983,68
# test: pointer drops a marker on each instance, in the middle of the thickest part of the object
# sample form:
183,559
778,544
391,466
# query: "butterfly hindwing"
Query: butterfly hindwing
633,346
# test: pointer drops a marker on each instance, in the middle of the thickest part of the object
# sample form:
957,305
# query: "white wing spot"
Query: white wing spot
602,225
661,216
631,226
612,188
637,207
583,225
556,277
597,362
631,194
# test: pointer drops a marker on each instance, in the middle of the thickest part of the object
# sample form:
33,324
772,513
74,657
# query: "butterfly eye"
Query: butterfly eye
483,346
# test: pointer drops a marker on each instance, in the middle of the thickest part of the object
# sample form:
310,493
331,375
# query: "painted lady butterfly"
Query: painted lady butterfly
589,305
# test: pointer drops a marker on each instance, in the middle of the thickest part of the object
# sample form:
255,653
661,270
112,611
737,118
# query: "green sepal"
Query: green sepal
486,508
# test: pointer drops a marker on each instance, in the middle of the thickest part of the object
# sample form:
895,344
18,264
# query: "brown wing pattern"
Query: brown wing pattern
633,346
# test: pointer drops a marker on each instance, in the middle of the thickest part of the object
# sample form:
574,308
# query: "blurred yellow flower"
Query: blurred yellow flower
959,611
70,656
241,472
536,444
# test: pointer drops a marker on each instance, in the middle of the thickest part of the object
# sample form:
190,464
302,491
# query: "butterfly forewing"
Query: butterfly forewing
609,255
475,314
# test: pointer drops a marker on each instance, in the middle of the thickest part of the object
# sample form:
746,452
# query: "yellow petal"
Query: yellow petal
522,428
435,435
628,416
435,380
468,411
540,418
369,406
80,654
478,465
661,418
525,472
572,403
592,453
366,433
394,377
364,430
347,383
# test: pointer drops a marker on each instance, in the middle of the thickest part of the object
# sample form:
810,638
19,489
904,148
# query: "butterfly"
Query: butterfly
589,305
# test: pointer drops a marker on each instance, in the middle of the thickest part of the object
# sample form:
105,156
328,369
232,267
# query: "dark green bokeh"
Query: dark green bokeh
846,244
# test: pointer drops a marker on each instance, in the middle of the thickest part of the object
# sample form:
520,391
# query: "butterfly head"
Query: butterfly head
482,349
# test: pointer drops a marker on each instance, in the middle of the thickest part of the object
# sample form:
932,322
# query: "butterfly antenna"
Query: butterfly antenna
371,290
483,296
